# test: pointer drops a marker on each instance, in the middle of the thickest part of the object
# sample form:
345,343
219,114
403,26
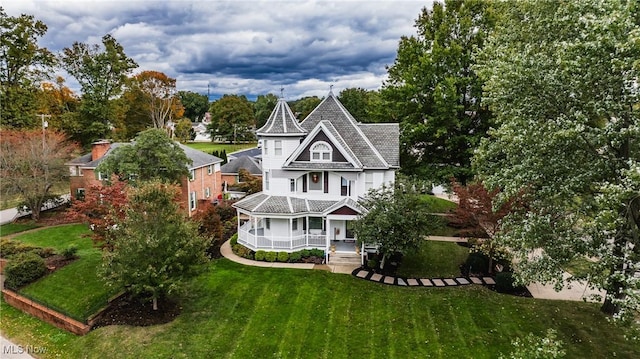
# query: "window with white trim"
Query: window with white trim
207,192
210,169
265,148
292,185
294,224
266,180
267,223
80,194
368,181
277,148
192,175
321,152
345,187
102,176
192,201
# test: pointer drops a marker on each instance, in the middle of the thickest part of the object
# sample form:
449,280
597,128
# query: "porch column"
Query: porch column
255,230
290,233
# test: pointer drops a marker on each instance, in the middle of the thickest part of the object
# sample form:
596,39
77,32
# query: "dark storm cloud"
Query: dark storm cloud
241,46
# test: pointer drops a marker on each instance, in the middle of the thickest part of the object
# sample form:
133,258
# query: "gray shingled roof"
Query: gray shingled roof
386,138
281,122
255,152
199,158
330,109
319,165
245,162
262,203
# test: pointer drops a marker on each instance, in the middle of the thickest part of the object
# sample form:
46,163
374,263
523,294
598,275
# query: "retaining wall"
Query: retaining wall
41,312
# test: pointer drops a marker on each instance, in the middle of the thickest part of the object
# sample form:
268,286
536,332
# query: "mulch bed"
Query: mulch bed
131,311
57,261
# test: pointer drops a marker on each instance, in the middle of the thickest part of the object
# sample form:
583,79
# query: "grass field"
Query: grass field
434,260
12,228
435,204
234,311
74,289
209,147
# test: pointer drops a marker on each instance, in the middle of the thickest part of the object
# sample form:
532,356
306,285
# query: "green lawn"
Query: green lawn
74,289
234,311
434,259
209,147
11,228
436,205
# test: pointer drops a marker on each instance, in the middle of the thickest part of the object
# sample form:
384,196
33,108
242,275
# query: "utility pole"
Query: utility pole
45,124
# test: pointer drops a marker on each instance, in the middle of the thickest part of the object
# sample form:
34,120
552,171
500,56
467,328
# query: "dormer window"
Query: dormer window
321,152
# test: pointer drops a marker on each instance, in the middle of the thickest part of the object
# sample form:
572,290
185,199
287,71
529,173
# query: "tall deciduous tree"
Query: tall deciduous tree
232,119
155,248
160,97
101,72
32,162
435,94
22,65
195,105
392,221
562,79
59,102
302,107
153,156
362,104
263,107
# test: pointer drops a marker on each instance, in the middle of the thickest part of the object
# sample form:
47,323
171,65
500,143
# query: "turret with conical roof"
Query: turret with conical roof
279,137
281,122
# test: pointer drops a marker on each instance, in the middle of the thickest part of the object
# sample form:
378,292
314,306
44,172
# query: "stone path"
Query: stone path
420,282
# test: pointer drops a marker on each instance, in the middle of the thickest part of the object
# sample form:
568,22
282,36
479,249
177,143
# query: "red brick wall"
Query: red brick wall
41,312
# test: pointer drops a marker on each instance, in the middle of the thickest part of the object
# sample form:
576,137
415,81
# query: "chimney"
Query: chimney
99,148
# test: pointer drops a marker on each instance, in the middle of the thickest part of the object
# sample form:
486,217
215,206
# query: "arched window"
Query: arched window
321,151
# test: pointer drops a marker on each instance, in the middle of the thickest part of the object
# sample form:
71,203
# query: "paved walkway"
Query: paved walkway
226,252
421,282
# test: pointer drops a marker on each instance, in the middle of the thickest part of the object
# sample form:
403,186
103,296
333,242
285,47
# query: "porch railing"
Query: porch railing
257,240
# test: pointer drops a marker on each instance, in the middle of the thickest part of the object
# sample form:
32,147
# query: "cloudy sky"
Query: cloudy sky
240,47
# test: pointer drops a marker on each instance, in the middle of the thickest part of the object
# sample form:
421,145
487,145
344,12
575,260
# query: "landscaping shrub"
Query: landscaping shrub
316,253
23,269
44,252
271,256
295,257
504,282
372,264
283,256
305,253
260,255
477,263
242,251
69,252
234,239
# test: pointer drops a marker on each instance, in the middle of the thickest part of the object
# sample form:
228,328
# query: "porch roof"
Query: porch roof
267,204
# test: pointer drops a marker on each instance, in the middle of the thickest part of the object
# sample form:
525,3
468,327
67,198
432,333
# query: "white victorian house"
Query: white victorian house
313,173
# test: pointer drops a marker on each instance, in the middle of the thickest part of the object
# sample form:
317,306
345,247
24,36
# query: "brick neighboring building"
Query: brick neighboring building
205,183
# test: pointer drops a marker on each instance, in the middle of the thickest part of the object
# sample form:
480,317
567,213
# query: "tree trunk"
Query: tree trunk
155,303
614,287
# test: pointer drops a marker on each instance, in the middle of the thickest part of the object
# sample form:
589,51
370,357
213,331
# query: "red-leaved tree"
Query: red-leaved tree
101,208
479,214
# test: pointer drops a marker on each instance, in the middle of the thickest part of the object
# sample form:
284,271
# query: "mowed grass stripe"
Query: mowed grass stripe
300,321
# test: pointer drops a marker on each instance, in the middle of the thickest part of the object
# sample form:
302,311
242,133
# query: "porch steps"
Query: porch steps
344,259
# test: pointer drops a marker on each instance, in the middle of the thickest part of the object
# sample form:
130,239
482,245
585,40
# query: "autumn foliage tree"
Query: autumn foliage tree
159,96
479,214
102,207
248,183
32,163
217,223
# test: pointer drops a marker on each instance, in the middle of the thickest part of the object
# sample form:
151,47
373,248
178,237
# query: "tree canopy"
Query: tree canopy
155,248
263,107
101,72
23,64
232,119
32,162
391,220
434,93
561,78
195,105
153,156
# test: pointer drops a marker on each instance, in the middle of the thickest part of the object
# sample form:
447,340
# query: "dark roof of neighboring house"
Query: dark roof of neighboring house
281,122
251,152
199,158
263,203
374,146
246,162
